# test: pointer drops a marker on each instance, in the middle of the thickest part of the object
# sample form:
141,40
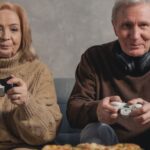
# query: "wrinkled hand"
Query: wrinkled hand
139,119
18,94
106,112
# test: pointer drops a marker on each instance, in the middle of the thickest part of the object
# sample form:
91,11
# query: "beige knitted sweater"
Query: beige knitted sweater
38,121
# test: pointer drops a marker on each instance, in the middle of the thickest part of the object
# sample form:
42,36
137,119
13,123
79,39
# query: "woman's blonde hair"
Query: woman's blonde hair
26,40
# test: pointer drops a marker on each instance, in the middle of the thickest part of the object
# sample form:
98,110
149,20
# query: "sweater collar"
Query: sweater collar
10,62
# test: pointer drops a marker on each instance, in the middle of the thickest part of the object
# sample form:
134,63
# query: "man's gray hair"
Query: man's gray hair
120,3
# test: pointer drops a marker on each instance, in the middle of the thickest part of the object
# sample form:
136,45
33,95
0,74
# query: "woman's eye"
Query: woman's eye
14,29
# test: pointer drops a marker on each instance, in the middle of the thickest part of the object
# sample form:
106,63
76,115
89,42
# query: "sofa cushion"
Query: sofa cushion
67,135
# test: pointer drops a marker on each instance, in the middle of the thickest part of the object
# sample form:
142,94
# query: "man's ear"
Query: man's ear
114,26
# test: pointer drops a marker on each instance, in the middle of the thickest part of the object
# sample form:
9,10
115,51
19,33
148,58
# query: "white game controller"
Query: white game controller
124,108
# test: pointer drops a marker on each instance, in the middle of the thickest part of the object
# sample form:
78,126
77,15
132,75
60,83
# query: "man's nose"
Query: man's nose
135,33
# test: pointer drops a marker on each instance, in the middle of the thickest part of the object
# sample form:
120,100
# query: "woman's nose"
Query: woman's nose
5,35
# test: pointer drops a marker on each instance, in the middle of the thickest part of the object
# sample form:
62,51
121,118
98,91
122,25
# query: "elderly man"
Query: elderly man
118,71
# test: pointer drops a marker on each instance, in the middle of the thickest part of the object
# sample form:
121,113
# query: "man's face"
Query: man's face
132,27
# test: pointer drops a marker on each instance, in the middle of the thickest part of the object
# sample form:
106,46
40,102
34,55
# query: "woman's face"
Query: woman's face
10,33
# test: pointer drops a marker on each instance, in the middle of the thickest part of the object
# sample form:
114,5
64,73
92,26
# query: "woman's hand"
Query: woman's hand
18,94
106,112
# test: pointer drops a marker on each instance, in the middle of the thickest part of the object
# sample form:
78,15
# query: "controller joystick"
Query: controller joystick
125,109
4,86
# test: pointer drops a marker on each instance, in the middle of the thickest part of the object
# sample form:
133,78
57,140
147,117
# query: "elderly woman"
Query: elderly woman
29,113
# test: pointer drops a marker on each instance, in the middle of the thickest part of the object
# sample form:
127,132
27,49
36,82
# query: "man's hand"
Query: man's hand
139,119
106,112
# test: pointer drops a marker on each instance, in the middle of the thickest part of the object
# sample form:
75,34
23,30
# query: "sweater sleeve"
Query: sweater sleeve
38,122
82,103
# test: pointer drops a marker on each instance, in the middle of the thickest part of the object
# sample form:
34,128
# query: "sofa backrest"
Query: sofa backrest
67,135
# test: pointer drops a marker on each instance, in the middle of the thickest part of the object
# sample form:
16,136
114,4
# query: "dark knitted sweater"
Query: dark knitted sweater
99,75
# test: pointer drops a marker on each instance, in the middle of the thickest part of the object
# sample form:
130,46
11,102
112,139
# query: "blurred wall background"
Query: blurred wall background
63,29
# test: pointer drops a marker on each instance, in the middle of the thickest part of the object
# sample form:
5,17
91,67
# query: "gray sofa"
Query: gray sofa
67,135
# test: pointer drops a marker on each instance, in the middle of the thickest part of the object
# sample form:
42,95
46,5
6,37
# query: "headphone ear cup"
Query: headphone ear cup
125,63
132,65
144,63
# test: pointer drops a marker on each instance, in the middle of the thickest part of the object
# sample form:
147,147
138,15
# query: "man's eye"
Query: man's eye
144,26
126,26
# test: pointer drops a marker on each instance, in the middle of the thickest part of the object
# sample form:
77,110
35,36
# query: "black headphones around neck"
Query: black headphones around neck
133,65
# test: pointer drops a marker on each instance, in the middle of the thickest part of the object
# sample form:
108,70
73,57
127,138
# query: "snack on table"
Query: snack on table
126,146
57,147
93,146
